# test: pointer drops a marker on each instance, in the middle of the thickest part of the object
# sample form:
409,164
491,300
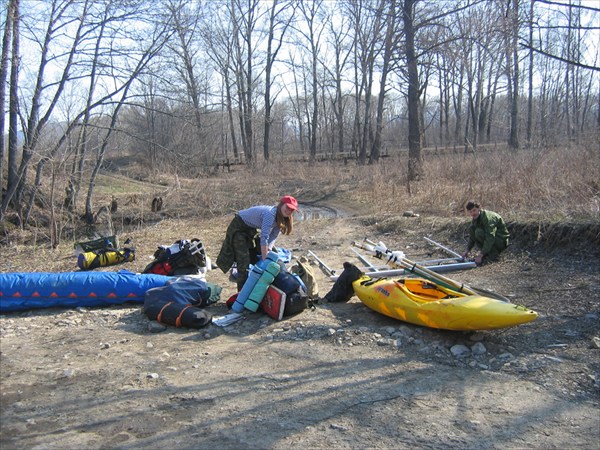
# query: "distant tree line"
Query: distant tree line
180,84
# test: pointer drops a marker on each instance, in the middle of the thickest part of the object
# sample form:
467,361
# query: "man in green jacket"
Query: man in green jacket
487,231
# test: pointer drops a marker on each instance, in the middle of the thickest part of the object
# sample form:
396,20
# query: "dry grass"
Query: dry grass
530,186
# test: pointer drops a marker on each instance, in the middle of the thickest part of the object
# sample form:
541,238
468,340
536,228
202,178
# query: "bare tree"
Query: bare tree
244,18
339,35
5,58
311,11
76,17
471,48
82,144
186,64
217,36
276,20
415,161
530,70
390,45
16,176
367,25
512,25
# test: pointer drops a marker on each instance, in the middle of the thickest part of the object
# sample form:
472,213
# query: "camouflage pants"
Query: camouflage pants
241,246
500,244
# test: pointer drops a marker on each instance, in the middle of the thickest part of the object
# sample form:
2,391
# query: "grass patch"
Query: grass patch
554,186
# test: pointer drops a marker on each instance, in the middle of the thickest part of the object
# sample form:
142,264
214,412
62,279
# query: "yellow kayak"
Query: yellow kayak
423,302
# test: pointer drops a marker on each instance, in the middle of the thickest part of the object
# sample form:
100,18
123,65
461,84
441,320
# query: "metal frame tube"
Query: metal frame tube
323,266
398,272
452,252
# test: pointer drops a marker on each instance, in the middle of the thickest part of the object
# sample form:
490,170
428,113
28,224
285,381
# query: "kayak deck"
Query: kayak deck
422,302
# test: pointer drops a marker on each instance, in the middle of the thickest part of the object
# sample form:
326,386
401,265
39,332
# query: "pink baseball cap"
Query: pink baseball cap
290,201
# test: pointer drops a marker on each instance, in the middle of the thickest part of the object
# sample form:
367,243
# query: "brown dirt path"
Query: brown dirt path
339,376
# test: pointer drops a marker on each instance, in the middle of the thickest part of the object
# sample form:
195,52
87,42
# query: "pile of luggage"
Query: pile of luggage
102,252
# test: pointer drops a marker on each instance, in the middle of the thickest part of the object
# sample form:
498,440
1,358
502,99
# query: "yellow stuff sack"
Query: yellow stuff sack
102,258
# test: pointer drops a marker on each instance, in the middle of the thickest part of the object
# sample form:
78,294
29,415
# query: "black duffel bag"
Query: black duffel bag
296,299
177,314
295,304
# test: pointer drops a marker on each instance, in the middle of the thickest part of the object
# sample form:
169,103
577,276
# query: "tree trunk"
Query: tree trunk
530,78
512,56
13,109
6,38
387,57
415,162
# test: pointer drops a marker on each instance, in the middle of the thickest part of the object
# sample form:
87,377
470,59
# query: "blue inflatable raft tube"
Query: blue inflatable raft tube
33,290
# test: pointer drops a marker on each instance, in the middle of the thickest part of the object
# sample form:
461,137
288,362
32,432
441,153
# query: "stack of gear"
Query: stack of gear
276,291
304,270
103,252
259,279
181,301
296,298
96,244
184,257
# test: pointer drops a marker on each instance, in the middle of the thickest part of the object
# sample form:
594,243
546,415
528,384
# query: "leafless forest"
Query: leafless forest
181,87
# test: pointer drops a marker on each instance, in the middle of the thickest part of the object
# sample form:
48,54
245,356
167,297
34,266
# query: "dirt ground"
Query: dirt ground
338,376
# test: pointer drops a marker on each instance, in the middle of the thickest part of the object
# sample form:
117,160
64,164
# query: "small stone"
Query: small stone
459,350
406,331
477,337
156,327
478,349
409,214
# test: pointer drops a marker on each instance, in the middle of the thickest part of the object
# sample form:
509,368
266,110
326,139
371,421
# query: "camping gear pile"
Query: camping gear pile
184,257
103,252
174,290
275,290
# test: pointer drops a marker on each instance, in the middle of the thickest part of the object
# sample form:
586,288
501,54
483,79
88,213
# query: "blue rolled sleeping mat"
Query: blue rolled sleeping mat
22,291
261,286
253,277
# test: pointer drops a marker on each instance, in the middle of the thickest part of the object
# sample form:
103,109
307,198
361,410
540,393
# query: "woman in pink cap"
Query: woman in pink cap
252,232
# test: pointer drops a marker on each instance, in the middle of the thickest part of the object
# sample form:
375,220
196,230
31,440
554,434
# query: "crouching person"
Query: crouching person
252,232
487,232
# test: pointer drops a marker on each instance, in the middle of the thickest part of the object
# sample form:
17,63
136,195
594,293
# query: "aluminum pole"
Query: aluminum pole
399,272
323,266
452,252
